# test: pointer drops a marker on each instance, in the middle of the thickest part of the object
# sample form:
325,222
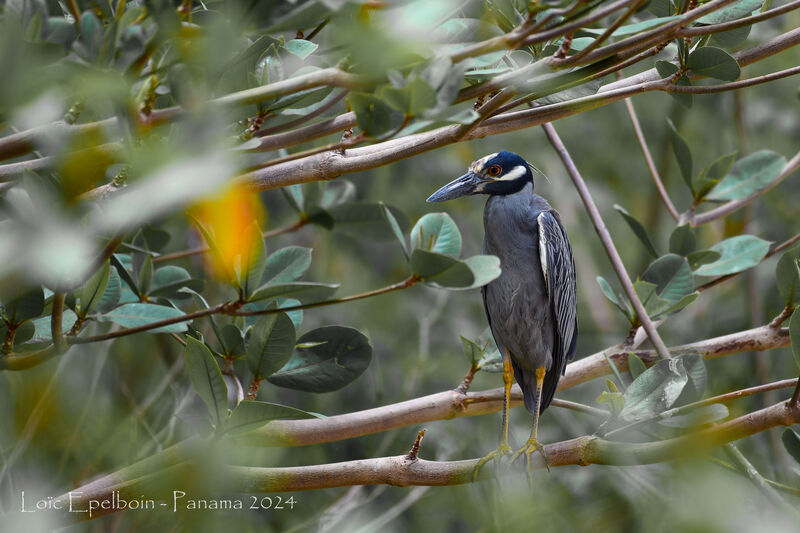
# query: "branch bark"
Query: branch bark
404,471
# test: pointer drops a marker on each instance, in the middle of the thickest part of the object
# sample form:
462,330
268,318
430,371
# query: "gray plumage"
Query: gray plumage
532,306
533,318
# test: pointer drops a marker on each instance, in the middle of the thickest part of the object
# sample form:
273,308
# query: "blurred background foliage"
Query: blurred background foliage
104,405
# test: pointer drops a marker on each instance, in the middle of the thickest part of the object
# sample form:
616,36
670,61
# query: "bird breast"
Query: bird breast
517,301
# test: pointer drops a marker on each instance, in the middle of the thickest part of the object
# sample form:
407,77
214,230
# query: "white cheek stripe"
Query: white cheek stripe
516,172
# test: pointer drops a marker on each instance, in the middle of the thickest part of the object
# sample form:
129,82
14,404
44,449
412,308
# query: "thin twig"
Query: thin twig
759,480
605,238
406,283
649,159
722,398
205,249
741,84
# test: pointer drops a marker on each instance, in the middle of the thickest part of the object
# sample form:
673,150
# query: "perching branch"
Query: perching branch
449,404
404,471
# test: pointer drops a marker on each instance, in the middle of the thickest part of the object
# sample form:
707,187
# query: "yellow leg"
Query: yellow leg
533,444
503,448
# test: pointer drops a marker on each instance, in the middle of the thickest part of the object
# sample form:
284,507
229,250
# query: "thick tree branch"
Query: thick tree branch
404,471
450,404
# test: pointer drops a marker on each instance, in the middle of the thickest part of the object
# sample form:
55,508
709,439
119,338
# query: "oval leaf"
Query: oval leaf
286,264
638,230
270,345
737,254
139,314
787,275
251,414
672,276
367,220
655,390
714,63
342,356
206,379
305,291
436,232
748,175
92,292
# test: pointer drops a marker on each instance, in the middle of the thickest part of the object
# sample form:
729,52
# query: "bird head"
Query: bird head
500,173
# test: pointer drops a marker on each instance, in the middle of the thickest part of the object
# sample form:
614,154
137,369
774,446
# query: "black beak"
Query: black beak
463,186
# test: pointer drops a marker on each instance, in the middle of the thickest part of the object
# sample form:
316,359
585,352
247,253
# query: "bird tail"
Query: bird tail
527,382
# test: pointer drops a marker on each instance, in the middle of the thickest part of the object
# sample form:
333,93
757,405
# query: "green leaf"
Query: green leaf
484,268
491,362
697,417
21,305
731,38
738,253
748,175
372,115
92,292
230,337
721,165
655,390
116,262
613,298
794,336
672,276
397,231
250,415
436,232
630,29
253,264
112,294
787,275
614,400
698,378
146,274
206,379
702,257
139,314
169,280
682,154
301,47
638,230
271,342
429,265
472,351
791,441
343,355
43,331
413,99
736,10
635,365
682,241
680,304
653,304
367,220
305,291
714,63
286,264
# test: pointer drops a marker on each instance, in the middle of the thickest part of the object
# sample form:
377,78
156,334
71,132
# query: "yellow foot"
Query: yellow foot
503,449
530,447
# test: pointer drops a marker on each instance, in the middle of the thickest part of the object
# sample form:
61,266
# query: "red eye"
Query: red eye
494,170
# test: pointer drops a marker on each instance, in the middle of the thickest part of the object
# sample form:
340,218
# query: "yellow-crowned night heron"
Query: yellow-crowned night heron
532,306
